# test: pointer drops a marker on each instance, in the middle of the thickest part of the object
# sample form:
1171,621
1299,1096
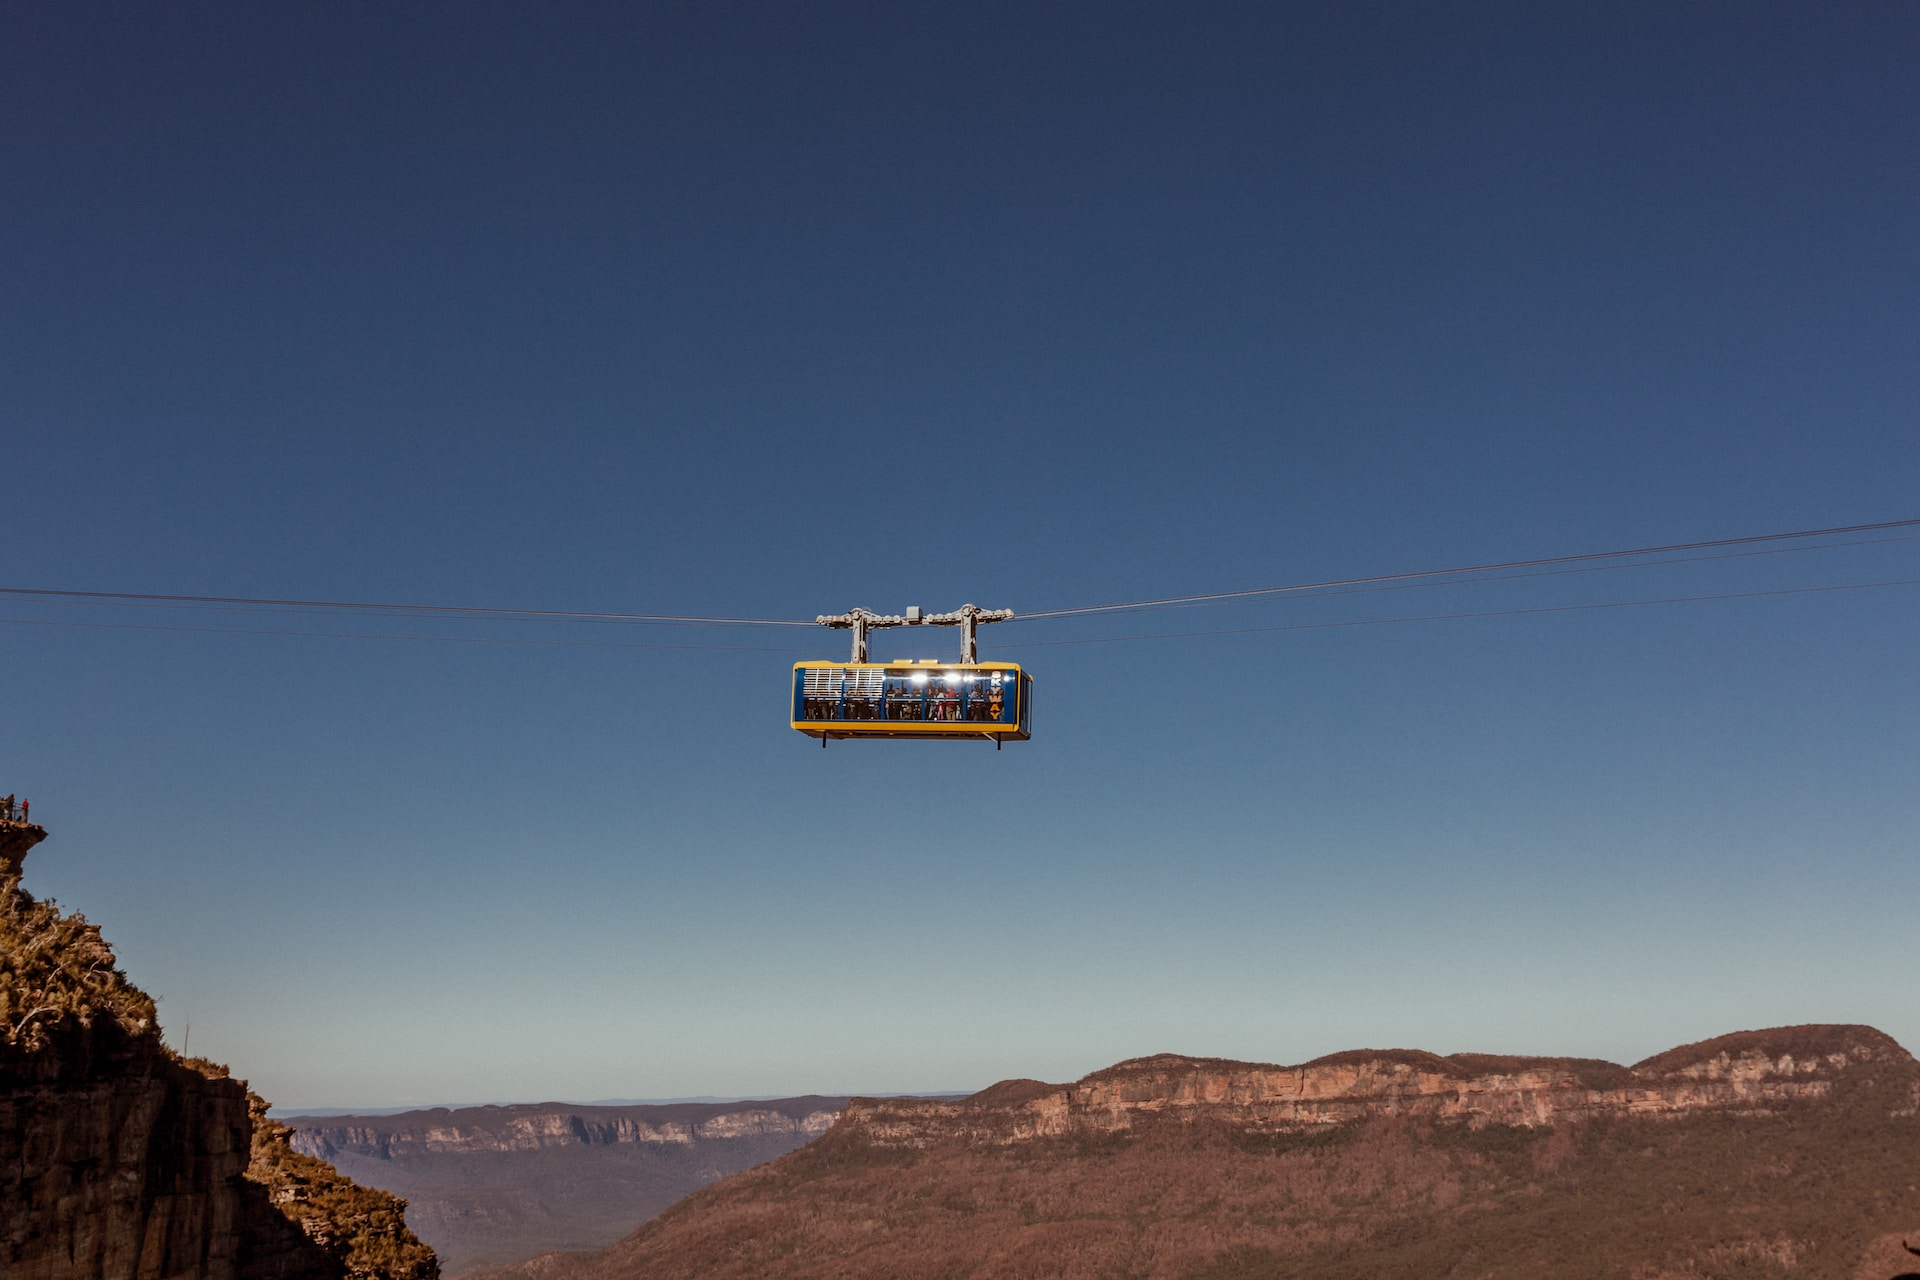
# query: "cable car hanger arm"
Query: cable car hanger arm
967,617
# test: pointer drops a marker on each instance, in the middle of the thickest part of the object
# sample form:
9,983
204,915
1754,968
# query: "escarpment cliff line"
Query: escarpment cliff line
1780,1152
540,1126
1753,1072
130,1169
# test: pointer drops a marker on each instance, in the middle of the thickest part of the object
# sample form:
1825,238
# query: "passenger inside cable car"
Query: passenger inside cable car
904,697
906,693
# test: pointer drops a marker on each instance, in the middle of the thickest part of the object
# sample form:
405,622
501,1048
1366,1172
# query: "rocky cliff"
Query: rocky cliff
1748,1073
16,838
119,1159
115,1162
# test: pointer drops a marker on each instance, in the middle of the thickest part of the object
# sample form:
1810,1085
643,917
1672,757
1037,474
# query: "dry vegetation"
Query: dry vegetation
57,974
366,1229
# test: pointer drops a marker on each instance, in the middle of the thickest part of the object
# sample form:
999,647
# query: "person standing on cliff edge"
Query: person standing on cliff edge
25,805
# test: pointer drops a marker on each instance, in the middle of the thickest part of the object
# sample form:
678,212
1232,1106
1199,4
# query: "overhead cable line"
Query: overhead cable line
1456,617
365,635
437,610
348,611
1215,597
496,613
1027,644
1414,582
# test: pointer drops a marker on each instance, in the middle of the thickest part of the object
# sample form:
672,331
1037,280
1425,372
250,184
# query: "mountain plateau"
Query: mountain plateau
1785,1152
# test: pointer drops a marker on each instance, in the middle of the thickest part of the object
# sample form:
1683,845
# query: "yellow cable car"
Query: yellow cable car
927,699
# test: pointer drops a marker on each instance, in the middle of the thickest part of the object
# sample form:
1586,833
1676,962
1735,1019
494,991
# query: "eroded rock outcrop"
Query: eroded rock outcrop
1751,1072
129,1168
120,1160
15,839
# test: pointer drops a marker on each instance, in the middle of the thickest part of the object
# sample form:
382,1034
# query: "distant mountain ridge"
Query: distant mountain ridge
493,1183
1747,1072
383,1113
532,1126
1784,1152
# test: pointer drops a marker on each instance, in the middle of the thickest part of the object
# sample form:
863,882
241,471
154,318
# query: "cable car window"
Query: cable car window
820,693
863,696
917,694
834,693
906,696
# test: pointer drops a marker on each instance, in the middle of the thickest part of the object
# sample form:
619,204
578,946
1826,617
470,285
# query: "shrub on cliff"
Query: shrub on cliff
57,972
364,1228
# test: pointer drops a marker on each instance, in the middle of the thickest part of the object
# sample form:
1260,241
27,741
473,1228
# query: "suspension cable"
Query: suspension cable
438,610
521,641
1293,588
1344,623
485,613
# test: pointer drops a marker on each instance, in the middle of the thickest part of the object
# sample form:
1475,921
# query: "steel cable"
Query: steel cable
1329,586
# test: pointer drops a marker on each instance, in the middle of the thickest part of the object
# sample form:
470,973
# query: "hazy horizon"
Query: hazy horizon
318,1112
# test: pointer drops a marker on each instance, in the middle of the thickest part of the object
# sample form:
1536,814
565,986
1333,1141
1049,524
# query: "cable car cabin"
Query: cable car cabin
982,700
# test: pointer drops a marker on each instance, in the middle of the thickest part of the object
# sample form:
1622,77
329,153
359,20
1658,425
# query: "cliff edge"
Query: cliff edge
1746,1073
16,838
119,1158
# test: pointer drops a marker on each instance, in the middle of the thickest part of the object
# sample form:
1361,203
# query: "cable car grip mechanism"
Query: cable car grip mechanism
967,617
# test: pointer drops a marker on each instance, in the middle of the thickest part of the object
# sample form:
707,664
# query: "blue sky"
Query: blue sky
775,311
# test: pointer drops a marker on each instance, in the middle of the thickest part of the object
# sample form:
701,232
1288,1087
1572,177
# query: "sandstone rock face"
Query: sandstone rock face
16,838
1744,1073
137,1173
120,1160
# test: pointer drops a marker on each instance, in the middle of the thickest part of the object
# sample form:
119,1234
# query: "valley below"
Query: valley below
496,1184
